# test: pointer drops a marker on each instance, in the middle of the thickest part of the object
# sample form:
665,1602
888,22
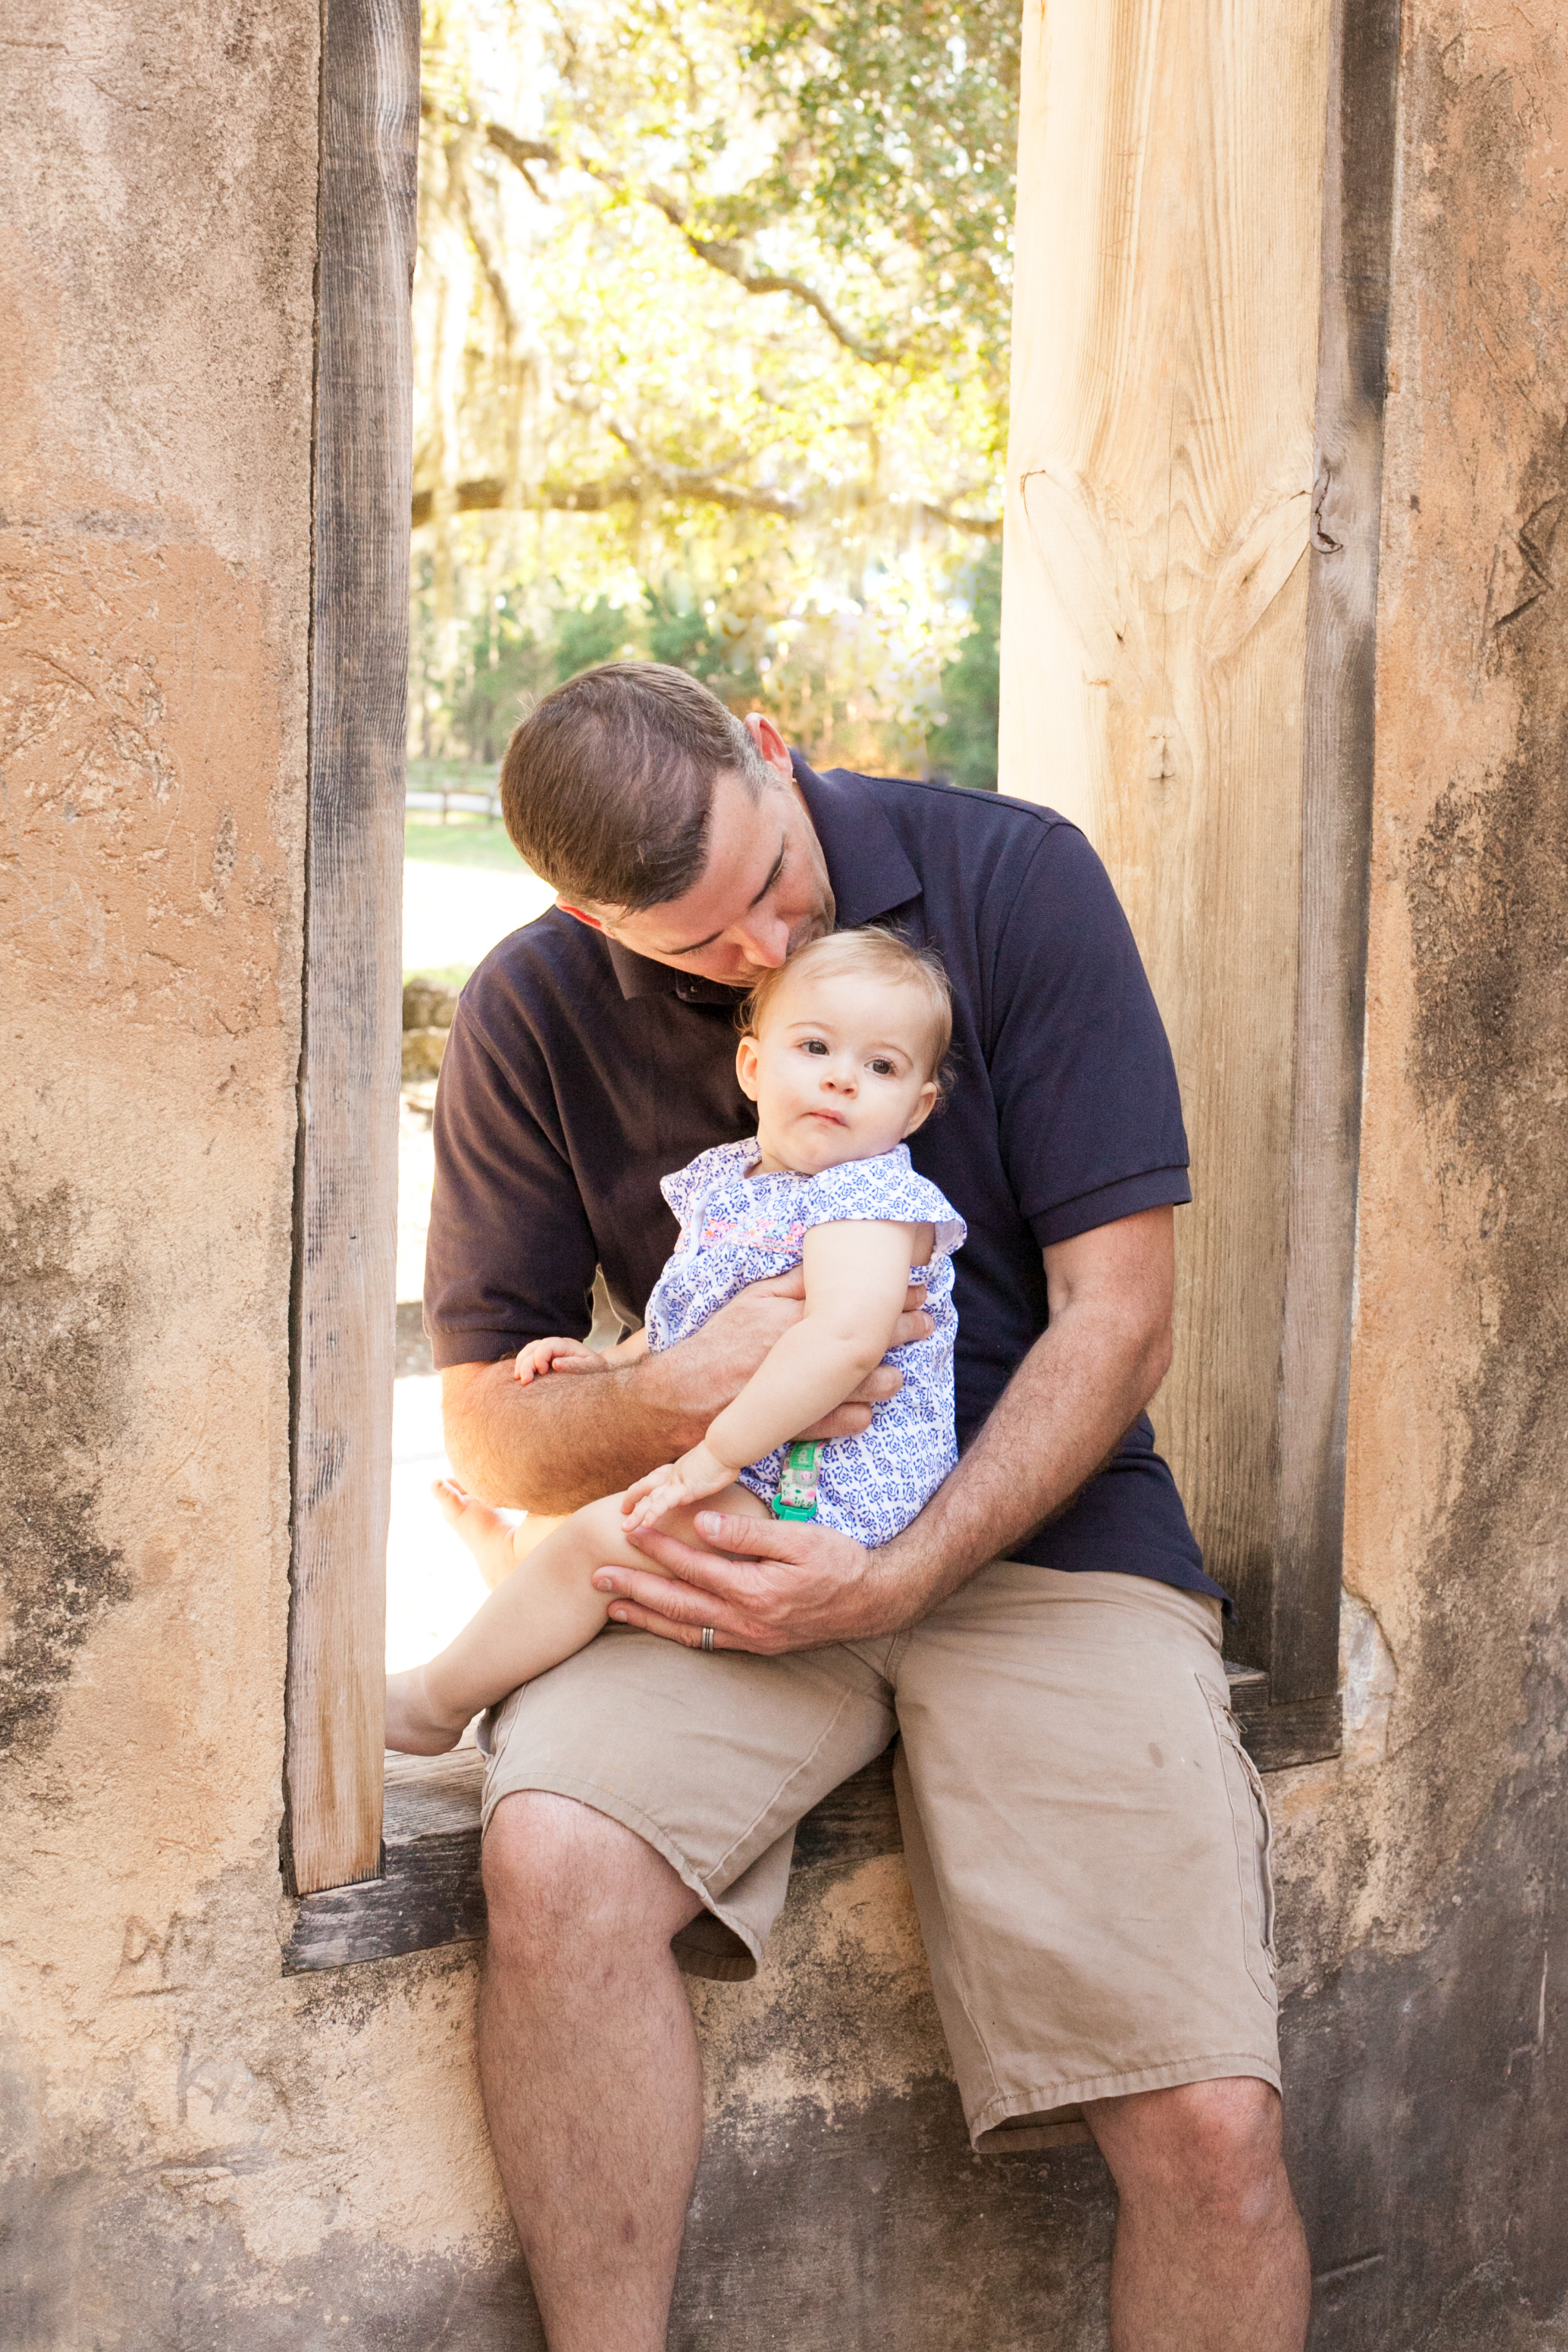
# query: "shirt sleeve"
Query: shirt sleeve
510,1257
1089,1110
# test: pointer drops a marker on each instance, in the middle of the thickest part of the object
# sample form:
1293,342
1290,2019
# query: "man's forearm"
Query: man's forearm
568,1439
1063,1414
563,1441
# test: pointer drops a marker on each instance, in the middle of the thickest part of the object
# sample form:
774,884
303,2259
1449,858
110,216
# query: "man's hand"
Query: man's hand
767,1586
553,1444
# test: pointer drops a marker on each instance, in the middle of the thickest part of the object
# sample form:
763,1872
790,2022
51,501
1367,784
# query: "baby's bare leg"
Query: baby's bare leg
546,1609
498,1539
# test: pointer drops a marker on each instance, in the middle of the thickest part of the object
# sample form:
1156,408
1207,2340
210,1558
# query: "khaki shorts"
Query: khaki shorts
1086,1839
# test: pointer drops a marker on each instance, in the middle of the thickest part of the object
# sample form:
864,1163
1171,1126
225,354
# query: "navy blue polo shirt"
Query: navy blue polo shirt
578,1073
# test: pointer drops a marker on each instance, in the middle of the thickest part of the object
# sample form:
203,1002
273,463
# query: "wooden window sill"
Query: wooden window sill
429,1893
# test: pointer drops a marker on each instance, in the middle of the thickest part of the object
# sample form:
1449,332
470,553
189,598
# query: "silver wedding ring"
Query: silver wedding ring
708,1637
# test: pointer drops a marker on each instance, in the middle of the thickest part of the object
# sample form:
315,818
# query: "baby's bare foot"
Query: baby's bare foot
487,1533
414,1725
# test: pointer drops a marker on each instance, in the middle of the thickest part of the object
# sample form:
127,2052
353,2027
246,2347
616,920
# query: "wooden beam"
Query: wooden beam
429,1891
346,1197
1154,636
1336,850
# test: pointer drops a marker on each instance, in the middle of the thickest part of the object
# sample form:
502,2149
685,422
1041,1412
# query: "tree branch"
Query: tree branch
729,259
490,495
977,526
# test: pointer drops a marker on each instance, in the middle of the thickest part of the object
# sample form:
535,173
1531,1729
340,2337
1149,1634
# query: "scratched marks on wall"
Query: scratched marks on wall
135,719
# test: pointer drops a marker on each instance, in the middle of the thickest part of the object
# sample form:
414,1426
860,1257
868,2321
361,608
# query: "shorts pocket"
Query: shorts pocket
1253,1845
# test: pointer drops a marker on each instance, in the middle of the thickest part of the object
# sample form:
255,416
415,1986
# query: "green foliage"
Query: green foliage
441,975
904,117
587,635
964,750
710,328
503,669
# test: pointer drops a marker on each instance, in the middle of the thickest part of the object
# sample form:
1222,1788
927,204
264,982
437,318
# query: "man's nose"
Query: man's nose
764,944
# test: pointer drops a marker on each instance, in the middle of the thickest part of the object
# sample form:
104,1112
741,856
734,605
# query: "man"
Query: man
1086,1842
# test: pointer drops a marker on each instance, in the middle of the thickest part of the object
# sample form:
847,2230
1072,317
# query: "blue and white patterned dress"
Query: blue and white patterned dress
737,1229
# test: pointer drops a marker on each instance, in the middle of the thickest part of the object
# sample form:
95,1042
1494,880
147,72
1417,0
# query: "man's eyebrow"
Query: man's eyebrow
774,873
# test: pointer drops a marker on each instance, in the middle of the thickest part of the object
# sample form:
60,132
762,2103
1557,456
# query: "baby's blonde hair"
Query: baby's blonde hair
882,955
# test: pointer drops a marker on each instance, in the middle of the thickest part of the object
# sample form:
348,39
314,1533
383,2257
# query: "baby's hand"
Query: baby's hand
542,1356
693,1479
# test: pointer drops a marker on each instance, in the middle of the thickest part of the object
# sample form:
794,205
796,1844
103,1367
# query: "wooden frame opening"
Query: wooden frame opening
1269,1500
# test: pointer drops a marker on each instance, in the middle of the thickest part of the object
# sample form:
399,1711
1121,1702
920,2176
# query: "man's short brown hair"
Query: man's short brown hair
607,787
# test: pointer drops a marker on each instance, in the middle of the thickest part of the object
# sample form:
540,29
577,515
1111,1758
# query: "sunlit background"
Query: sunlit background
710,333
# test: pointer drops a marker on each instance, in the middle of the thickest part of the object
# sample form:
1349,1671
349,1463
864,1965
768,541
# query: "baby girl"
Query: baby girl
842,1054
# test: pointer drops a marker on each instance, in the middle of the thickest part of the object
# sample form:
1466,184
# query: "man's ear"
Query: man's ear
770,743
746,1068
925,1103
580,915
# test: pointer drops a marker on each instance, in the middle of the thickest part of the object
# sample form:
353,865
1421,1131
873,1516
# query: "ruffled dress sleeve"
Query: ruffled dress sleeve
886,1191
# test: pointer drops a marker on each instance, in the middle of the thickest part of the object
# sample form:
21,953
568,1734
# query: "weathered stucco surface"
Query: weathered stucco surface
195,2151
1422,1877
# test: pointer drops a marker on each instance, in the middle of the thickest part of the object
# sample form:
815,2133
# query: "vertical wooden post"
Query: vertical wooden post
1166,684
1336,849
346,1198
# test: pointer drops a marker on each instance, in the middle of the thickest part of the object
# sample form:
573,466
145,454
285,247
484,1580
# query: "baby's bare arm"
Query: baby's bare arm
630,1350
856,1277
542,1356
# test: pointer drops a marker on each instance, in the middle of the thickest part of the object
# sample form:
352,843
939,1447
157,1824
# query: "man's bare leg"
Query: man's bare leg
592,2079
1210,2253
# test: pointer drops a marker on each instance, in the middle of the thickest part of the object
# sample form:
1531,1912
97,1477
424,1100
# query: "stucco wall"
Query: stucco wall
1423,1903
196,2151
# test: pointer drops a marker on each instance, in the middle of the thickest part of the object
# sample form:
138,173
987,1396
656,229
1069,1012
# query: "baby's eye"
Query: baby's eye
883,1067
814,1045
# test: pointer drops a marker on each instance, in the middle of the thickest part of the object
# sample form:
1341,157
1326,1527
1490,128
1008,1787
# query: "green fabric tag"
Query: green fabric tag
796,1496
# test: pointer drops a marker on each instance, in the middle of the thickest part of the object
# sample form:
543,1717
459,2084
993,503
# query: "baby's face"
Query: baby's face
838,1071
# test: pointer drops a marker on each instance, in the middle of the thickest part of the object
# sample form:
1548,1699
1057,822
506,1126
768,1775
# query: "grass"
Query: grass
466,838
449,975
461,841
452,775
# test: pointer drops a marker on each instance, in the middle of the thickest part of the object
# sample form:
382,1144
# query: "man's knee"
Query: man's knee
1211,2149
559,1877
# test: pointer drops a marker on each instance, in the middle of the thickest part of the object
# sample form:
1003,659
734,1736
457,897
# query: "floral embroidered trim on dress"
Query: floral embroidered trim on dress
751,1234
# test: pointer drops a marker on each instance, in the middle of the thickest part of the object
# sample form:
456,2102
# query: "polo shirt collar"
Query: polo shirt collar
867,866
